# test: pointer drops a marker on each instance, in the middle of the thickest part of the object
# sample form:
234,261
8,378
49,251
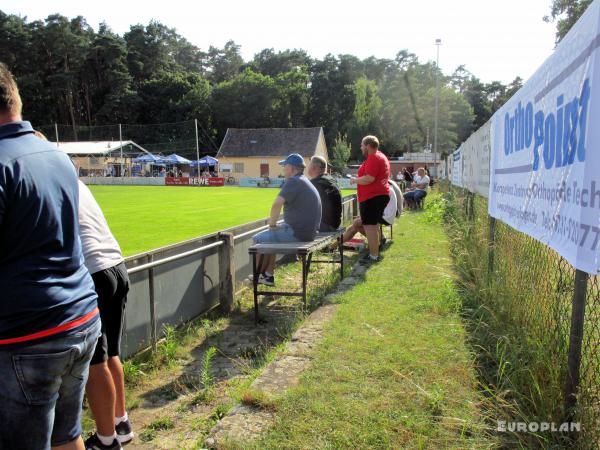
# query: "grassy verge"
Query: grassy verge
393,370
169,403
518,318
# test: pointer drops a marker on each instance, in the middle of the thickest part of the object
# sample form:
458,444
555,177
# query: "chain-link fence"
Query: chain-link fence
522,301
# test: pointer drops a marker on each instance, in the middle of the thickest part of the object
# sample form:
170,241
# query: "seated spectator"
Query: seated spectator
49,321
301,216
389,215
419,188
331,198
105,387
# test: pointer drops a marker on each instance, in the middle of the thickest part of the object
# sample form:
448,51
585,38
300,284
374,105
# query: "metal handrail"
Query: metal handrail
253,231
203,248
249,232
160,262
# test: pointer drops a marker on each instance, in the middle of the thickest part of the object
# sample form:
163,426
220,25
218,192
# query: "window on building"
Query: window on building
238,167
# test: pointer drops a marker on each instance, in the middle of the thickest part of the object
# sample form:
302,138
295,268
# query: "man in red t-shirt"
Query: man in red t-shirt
373,193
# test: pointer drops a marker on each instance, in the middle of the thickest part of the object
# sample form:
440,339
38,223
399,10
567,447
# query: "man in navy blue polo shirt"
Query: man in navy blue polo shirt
48,313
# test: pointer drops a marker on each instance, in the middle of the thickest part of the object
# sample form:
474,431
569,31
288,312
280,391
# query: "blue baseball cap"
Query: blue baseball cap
293,160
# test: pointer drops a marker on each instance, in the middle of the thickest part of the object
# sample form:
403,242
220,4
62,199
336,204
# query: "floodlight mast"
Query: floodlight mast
438,42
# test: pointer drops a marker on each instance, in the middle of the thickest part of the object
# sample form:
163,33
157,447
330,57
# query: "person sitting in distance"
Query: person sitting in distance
418,190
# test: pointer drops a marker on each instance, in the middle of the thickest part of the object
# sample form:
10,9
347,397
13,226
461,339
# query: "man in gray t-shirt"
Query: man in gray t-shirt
301,216
302,207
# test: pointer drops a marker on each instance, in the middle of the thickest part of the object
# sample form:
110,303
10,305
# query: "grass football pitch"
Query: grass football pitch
143,218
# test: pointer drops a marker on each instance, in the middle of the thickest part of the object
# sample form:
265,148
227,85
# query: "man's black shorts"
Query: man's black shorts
112,286
371,211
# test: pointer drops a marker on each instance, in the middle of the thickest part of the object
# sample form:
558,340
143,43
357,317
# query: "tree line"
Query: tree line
69,73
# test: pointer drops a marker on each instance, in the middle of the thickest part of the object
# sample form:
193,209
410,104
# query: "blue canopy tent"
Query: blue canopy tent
176,159
154,160
149,158
205,161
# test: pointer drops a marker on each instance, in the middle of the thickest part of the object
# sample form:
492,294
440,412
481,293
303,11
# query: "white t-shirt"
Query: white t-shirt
100,248
423,179
389,213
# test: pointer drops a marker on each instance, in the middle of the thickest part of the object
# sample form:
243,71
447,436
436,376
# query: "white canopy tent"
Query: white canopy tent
101,148
103,158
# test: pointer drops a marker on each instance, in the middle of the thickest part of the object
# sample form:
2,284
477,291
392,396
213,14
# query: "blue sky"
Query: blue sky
495,40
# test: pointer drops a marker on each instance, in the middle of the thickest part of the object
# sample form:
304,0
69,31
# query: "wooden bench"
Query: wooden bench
305,251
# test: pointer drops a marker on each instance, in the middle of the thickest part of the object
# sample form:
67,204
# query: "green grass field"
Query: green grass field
143,218
393,370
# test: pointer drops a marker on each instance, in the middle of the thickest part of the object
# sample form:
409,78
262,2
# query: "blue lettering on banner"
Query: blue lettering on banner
560,135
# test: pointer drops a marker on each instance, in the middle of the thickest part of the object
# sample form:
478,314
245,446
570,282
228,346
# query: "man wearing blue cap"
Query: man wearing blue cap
301,215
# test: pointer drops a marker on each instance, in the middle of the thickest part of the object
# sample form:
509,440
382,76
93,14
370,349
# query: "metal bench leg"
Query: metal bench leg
255,287
304,278
308,261
391,231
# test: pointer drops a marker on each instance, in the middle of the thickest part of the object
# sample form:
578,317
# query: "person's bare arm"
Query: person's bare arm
421,185
275,211
364,180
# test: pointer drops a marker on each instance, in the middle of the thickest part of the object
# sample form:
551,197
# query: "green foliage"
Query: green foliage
70,74
409,380
366,116
249,100
167,347
435,208
133,372
367,103
340,152
257,399
485,99
408,108
151,430
515,316
224,64
566,13
273,64
205,376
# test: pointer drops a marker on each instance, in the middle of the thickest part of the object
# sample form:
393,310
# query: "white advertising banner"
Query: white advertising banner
457,167
476,161
545,164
